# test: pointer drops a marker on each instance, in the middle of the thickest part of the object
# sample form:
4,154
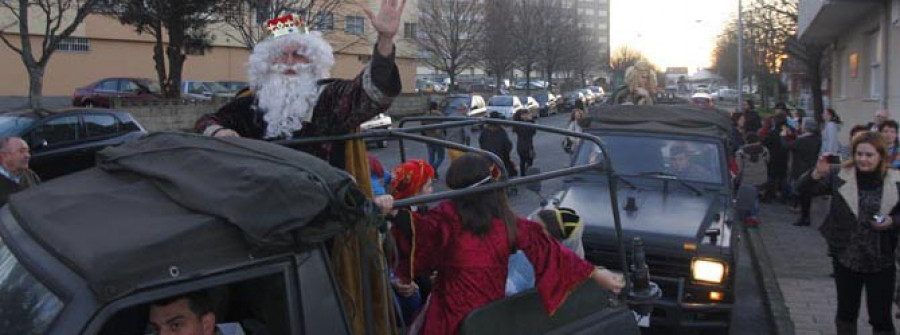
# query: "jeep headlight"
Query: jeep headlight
708,270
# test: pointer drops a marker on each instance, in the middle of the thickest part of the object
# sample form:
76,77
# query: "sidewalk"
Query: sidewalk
797,257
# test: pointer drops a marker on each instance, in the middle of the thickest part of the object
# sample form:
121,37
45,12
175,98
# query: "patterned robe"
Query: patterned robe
341,107
472,270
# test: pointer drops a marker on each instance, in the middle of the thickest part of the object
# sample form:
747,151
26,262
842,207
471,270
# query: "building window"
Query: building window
873,47
589,11
355,25
324,21
409,30
74,44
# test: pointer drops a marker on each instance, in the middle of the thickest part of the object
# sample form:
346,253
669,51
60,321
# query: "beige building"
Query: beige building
864,36
102,47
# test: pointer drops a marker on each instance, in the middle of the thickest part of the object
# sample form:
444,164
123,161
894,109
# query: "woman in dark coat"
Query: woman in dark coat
804,154
860,230
524,140
776,142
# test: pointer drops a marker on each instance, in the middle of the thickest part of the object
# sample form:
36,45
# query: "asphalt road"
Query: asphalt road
749,316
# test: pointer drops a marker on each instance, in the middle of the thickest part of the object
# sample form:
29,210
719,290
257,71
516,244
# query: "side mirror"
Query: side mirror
534,186
38,143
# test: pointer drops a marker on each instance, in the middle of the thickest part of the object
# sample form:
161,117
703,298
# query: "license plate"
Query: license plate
642,321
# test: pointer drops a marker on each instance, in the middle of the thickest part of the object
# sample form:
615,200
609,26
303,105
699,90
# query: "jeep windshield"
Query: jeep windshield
26,303
688,160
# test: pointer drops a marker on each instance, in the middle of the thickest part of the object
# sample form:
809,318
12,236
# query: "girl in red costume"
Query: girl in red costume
468,242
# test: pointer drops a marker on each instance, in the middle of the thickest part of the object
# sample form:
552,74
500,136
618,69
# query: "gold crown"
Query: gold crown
288,24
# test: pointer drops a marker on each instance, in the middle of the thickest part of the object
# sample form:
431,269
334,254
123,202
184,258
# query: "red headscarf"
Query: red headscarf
408,178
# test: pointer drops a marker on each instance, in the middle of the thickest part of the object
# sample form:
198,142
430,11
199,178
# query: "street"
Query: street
749,315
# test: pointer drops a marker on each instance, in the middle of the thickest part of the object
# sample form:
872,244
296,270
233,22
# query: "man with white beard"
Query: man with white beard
294,99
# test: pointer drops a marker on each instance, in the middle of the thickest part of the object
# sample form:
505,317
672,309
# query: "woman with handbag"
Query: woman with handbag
576,124
860,229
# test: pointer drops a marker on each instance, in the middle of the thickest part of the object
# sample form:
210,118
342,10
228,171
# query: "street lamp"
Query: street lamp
740,53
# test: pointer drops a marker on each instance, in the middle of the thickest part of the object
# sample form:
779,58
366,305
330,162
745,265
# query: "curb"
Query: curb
778,311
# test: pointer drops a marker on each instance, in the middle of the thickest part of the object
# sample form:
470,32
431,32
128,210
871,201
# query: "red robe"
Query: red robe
472,270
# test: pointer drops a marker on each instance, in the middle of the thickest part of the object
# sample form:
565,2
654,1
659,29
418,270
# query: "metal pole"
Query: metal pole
740,54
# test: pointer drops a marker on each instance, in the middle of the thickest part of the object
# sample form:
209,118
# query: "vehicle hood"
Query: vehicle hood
677,214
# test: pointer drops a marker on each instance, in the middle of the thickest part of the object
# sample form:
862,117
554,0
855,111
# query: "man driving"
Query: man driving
683,166
189,314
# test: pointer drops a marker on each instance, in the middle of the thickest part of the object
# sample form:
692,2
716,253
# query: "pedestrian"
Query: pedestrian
845,149
860,229
458,135
291,96
468,240
565,226
754,122
776,143
795,119
738,121
888,129
379,179
524,140
753,162
881,115
436,152
412,178
804,154
576,120
830,143
14,157
493,138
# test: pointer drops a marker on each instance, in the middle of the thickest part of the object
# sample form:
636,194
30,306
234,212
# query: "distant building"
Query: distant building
102,47
864,40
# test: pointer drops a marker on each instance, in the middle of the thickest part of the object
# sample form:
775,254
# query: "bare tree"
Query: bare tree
450,34
623,58
526,28
185,24
584,52
247,18
556,37
498,52
59,19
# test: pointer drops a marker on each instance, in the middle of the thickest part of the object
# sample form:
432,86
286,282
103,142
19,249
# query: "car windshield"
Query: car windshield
217,88
14,125
26,306
690,160
501,101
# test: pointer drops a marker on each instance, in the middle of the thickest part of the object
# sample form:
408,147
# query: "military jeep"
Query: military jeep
670,164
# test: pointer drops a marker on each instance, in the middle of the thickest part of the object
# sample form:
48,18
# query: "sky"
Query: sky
670,32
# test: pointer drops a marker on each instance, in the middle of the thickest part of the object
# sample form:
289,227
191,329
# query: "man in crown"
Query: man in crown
292,95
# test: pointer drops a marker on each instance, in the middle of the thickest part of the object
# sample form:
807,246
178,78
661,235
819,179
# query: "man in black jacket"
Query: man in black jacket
804,154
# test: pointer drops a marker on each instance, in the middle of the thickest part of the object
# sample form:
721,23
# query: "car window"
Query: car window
99,125
633,155
500,101
14,125
108,85
255,306
129,86
59,130
26,305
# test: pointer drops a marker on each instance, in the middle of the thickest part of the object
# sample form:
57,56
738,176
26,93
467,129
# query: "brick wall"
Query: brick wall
182,117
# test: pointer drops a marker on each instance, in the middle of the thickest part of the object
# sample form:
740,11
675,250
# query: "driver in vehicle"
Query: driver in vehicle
683,166
189,314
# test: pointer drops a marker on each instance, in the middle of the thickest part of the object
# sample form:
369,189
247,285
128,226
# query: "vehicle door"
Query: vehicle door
54,146
100,131
262,299
104,91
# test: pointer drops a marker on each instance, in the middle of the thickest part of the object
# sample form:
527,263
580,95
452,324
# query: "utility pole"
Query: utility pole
740,54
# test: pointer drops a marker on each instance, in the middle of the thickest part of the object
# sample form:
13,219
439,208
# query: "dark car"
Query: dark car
65,141
570,101
101,92
675,190
473,102
547,102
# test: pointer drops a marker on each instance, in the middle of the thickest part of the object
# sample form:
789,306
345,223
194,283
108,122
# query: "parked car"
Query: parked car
204,90
725,94
701,99
599,93
534,84
570,101
380,121
676,192
65,141
547,103
504,106
99,93
234,86
531,105
474,102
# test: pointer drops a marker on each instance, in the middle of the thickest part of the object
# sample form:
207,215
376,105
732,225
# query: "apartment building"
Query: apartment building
864,40
102,47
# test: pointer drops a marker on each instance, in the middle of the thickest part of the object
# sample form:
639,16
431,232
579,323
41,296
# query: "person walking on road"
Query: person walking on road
860,230
576,124
14,157
524,140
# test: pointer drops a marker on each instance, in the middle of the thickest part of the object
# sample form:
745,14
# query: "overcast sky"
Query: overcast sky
670,32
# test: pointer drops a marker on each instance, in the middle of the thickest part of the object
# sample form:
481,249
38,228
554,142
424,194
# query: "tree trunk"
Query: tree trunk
36,87
159,59
176,55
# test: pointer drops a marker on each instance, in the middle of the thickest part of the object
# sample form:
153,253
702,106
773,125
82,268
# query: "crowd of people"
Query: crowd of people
791,157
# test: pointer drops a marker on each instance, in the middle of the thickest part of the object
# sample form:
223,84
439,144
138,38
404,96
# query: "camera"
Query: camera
833,159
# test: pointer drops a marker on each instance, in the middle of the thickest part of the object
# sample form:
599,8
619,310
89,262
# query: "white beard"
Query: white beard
287,100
